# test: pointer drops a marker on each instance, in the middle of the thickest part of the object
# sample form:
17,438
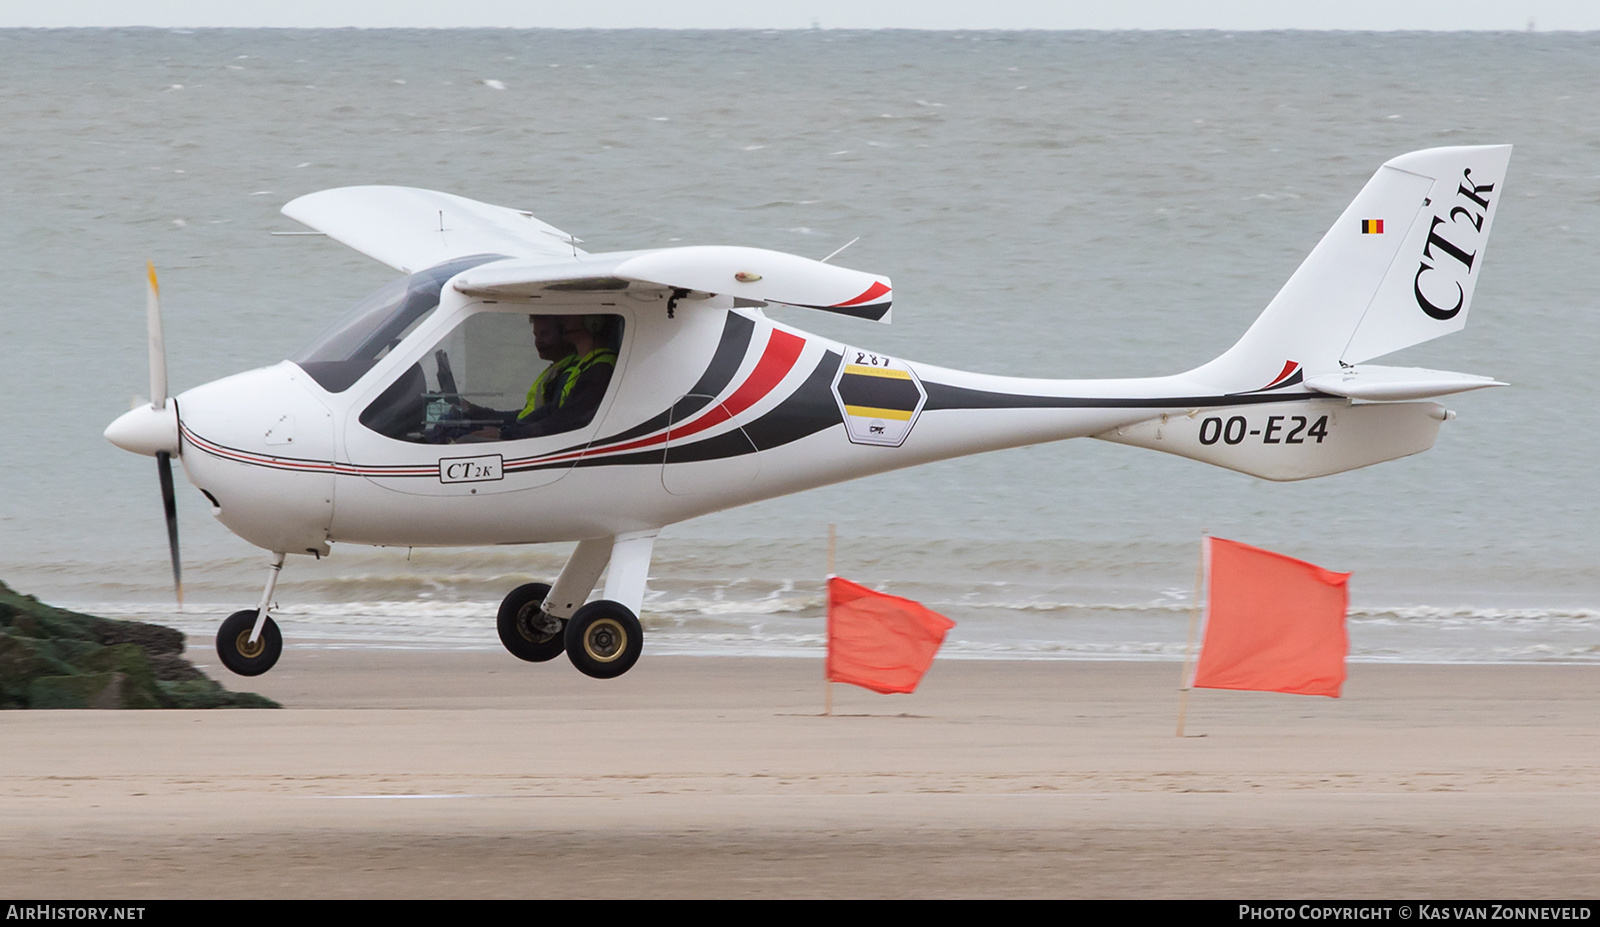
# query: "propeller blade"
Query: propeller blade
158,344
169,502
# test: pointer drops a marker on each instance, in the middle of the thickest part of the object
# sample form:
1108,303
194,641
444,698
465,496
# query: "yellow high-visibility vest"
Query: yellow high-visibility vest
597,356
548,375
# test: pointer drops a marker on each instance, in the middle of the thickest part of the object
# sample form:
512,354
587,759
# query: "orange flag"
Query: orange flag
880,642
1273,623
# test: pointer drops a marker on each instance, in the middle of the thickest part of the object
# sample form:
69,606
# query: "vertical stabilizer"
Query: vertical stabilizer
1397,269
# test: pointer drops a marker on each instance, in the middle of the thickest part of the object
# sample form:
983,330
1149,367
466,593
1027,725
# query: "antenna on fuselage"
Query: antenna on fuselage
572,241
841,248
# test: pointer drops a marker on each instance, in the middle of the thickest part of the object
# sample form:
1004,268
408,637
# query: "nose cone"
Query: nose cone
146,430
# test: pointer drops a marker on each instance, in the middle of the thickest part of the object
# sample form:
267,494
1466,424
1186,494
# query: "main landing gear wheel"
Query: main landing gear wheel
516,622
604,639
236,651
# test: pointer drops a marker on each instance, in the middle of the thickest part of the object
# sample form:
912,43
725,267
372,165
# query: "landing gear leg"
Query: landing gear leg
578,577
248,643
630,566
604,638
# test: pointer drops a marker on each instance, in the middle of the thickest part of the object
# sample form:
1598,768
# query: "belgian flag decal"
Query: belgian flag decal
1372,226
879,396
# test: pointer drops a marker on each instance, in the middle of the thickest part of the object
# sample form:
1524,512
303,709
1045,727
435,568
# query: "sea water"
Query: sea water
1047,203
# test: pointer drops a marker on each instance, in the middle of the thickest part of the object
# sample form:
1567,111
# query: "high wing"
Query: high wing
755,276
410,229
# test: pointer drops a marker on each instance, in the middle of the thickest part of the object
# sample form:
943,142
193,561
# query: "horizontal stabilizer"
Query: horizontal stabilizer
1386,384
1290,440
410,229
754,275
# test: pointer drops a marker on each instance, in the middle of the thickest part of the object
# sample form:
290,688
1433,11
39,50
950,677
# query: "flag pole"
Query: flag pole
1194,623
827,684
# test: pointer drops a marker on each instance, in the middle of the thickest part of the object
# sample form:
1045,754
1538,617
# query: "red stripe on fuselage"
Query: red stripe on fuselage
777,359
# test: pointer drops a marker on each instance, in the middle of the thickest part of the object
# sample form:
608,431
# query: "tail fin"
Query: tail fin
1397,269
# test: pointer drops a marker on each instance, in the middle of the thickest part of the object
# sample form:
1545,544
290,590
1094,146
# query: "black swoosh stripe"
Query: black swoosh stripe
942,396
1297,377
806,411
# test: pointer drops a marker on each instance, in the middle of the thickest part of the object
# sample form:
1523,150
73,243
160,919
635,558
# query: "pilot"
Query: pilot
576,393
552,346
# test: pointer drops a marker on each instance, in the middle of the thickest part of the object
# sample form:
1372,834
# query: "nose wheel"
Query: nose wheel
238,653
525,629
604,639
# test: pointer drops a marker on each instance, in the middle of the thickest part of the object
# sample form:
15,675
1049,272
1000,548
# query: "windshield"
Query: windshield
350,347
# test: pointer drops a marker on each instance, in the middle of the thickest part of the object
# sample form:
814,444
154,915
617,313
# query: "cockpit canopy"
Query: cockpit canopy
357,340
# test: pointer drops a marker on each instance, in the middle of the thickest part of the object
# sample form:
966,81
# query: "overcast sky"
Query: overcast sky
1544,15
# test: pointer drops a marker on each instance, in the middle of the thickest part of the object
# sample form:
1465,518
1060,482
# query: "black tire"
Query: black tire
238,654
515,623
604,639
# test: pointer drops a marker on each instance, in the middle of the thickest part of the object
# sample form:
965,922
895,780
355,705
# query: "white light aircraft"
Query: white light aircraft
514,389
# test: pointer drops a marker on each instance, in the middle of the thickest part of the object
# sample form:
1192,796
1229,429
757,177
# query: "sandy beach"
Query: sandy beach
463,775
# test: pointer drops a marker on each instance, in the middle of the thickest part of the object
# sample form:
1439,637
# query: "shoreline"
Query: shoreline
1041,631
416,774
674,651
